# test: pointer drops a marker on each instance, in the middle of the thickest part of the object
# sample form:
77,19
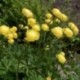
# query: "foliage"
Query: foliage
35,60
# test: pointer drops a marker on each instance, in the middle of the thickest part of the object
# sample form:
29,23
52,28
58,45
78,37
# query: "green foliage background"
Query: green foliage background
30,61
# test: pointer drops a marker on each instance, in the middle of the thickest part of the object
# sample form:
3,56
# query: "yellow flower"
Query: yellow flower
48,78
10,36
63,17
32,35
57,31
27,13
31,22
48,15
57,20
68,32
62,53
59,15
45,27
13,29
47,21
36,27
56,12
61,58
4,30
15,35
26,27
74,28
10,41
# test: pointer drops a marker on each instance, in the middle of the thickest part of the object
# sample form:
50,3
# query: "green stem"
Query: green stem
17,71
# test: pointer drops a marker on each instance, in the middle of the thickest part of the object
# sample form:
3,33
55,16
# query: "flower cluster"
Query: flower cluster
32,34
9,33
56,15
34,28
61,57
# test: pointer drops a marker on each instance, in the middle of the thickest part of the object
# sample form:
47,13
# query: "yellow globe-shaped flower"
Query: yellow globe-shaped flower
10,36
59,14
56,12
62,53
36,27
27,13
74,28
32,35
10,41
63,17
61,58
13,29
48,15
48,78
68,32
31,22
15,35
4,30
45,27
48,21
57,31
